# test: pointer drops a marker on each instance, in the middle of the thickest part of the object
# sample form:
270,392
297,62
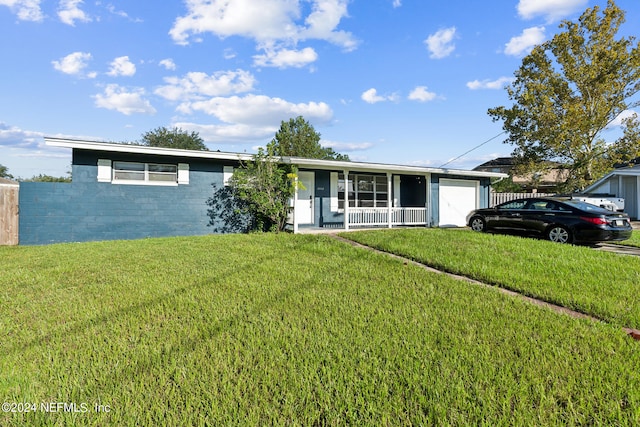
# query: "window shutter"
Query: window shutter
334,191
227,173
104,170
183,173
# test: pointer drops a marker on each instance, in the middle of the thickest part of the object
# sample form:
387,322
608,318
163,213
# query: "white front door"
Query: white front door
304,204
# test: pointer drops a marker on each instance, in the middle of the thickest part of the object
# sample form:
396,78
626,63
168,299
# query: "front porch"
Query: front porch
328,201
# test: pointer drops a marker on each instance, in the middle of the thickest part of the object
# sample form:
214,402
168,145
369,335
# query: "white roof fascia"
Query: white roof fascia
631,171
141,149
383,167
334,165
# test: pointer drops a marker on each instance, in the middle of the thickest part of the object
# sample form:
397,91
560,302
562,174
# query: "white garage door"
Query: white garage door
457,198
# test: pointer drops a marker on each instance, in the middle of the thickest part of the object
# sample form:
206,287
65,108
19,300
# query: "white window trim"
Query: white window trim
106,172
353,178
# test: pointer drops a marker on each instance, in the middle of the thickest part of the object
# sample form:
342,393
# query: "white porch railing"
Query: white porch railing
380,216
409,216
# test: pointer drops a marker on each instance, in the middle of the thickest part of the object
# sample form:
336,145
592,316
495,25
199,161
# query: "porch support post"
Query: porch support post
638,207
427,216
389,199
295,206
619,186
346,199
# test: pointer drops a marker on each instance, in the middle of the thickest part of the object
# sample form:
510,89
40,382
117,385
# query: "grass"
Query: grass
605,285
633,241
290,330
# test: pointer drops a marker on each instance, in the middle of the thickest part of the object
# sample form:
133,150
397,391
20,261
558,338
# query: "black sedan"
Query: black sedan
561,220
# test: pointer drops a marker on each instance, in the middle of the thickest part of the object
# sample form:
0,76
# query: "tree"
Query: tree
257,195
567,91
506,186
4,172
48,178
173,138
298,138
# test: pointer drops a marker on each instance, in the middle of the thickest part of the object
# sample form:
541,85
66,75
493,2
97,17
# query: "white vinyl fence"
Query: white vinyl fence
497,198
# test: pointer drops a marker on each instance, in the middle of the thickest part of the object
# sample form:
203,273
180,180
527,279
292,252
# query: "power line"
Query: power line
474,148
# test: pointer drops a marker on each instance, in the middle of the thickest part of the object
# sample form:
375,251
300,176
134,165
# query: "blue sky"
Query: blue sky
393,81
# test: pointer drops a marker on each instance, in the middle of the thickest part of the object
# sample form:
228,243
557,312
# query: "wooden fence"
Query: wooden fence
9,214
497,198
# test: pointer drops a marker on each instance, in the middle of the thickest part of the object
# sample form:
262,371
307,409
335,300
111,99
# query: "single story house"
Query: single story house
121,191
624,183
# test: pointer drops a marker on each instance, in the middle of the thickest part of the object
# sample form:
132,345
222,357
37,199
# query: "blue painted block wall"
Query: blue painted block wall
88,210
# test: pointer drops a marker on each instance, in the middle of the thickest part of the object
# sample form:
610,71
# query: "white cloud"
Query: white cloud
624,115
323,21
552,10
69,11
258,110
490,84
229,134
121,66
346,146
197,85
523,43
74,64
111,8
12,136
264,21
397,3
285,58
125,101
440,44
27,10
421,94
168,64
371,96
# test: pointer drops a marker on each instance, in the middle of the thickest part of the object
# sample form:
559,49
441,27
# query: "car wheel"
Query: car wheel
478,224
559,234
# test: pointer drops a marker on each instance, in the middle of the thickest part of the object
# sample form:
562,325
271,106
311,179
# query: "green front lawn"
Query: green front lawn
633,241
605,285
291,330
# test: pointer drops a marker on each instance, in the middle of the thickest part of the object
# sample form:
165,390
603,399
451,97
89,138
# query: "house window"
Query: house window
118,172
365,191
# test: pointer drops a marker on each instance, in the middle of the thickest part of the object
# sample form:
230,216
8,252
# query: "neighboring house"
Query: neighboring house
499,165
123,191
624,183
544,182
